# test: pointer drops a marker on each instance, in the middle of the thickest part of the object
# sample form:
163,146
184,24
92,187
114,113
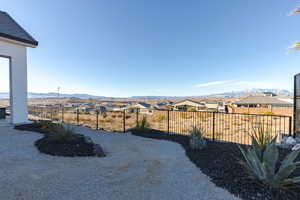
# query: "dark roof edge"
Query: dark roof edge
34,42
31,42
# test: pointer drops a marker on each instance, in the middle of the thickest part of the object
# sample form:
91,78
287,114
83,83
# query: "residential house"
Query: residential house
263,101
166,105
205,105
144,108
188,104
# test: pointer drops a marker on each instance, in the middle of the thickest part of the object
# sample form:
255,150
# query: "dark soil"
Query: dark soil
221,162
35,127
76,145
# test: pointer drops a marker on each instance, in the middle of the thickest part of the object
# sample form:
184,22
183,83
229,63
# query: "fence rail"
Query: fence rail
231,127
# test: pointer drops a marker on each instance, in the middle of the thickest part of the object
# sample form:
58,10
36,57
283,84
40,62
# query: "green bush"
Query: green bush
262,165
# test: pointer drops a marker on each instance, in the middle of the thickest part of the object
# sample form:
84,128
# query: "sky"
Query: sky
127,48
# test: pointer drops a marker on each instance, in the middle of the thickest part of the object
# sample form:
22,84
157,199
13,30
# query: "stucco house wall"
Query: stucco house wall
18,80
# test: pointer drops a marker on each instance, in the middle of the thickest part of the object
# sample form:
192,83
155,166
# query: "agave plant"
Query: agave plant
197,140
264,168
262,135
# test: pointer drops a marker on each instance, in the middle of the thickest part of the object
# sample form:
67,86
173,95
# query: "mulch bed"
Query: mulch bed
220,161
77,145
34,127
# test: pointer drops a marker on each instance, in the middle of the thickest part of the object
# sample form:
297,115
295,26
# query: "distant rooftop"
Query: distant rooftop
264,100
10,29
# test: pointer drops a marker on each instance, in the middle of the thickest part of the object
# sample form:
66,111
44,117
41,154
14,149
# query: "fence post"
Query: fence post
62,114
168,118
137,117
124,123
290,127
214,119
77,117
97,116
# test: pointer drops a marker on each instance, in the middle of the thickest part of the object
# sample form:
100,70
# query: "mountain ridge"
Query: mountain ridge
224,94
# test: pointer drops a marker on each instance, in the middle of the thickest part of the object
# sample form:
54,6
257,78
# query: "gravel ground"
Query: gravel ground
134,168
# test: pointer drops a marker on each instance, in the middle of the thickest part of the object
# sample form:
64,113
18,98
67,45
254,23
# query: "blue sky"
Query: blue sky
170,47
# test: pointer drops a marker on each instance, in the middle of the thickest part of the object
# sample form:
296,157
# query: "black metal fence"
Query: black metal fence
231,127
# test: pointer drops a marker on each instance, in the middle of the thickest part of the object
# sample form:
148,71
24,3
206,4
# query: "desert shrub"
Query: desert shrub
63,133
197,140
104,114
45,125
191,109
268,113
160,118
113,116
212,110
108,120
120,116
143,125
127,117
263,167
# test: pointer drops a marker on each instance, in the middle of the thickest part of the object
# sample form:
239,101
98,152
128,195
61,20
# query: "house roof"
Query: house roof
188,100
146,105
263,100
10,29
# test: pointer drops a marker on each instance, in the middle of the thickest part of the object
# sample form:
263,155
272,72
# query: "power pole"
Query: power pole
58,88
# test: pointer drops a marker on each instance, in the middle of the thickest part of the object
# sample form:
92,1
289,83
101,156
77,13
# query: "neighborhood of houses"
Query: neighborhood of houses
258,103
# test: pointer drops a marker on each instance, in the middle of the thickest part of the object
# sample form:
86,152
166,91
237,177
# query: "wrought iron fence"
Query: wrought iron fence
230,127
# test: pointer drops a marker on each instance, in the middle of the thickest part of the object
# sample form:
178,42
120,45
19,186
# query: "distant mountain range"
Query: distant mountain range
53,95
225,94
252,91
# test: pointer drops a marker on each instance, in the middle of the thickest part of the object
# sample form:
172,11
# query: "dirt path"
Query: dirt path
134,168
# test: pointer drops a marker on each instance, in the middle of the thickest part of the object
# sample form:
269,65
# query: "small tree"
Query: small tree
296,45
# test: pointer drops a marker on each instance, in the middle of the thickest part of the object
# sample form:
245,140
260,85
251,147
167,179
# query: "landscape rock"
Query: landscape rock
296,147
290,141
98,150
88,139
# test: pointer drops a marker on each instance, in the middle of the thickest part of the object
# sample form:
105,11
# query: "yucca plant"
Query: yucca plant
144,125
197,140
264,168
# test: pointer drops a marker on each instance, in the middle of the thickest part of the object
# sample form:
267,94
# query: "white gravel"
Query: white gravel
135,168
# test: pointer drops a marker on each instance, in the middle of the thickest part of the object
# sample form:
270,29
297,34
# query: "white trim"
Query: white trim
17,42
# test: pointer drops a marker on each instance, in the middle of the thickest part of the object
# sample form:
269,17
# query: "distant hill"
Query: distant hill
53,95
252,91
225,94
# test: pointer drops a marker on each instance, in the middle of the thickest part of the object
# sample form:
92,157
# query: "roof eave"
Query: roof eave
18,41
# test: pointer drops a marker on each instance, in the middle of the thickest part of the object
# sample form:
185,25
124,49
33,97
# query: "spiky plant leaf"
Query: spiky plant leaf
257,148
282,175
270,156
264,169
289,159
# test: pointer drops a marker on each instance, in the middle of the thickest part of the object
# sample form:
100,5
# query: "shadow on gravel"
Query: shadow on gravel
220,161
